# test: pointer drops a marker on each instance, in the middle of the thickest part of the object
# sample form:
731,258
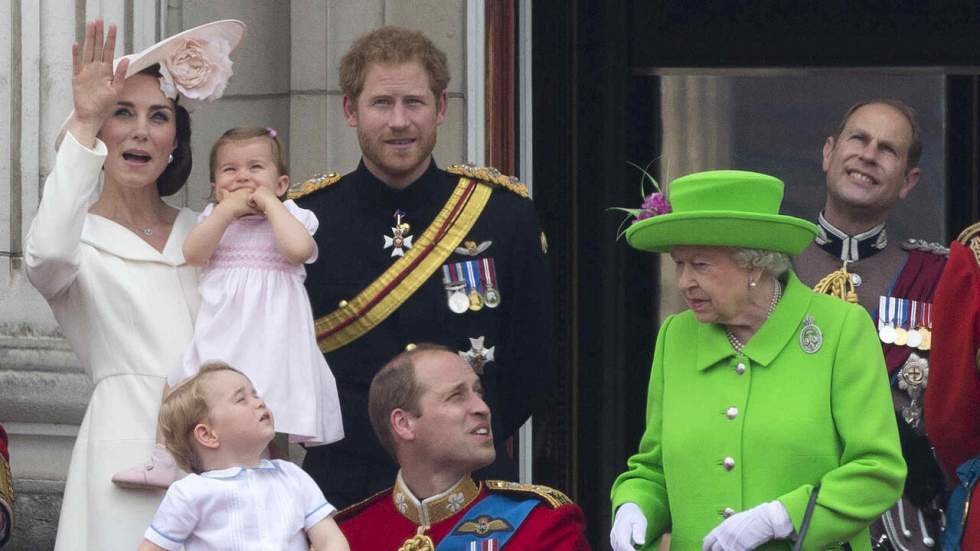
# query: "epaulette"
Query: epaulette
925,246
352,510
970,238
315,183
551,496
969,233
491,176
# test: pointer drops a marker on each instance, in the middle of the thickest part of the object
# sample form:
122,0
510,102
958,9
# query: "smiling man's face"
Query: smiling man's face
867,164
396,116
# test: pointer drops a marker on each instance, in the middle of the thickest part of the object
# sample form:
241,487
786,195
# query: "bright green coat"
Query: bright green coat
800,419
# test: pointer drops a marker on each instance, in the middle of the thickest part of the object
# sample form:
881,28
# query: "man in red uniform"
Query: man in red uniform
6,491
426,408
952,408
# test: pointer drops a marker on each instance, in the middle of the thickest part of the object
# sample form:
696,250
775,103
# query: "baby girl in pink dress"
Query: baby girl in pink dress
254,312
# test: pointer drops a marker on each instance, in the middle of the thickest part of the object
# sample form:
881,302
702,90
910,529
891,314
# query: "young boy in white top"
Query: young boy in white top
218,428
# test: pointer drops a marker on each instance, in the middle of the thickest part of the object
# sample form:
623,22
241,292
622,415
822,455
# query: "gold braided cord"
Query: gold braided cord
419,542
838,284
975,247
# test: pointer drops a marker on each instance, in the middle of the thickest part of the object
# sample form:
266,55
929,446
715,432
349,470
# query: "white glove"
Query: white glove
629,529
750,529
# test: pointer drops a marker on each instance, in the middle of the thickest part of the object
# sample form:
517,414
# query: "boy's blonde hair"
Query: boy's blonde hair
183,409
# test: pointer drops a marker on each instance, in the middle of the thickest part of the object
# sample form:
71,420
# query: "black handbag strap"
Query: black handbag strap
805,525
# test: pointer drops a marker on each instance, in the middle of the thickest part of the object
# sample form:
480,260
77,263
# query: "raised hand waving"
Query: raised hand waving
95,86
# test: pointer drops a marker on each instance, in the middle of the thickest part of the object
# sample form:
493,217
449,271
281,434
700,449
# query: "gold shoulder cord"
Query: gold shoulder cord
418,542
838,284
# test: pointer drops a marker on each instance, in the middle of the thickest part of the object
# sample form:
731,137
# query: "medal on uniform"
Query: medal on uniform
913,378
901,334
478,355
455,290
915,337
886,329
473,285
926,330
488,275
811,337
471,248
399,241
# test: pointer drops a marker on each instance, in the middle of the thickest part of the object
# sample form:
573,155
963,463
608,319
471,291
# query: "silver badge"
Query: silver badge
456,297
913,378
811,338
477,355
471,248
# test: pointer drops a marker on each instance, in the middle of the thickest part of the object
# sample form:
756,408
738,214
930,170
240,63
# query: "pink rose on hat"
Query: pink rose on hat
197,69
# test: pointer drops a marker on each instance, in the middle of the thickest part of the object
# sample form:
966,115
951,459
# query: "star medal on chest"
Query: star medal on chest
478,355
886,319
399,240
811,337
913,378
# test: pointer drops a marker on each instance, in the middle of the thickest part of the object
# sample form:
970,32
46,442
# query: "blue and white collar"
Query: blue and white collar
234,472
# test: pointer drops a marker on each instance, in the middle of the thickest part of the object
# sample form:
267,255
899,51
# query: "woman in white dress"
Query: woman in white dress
105,252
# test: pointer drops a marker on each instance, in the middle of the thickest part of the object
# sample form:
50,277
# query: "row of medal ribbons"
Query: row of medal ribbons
471,285
905,322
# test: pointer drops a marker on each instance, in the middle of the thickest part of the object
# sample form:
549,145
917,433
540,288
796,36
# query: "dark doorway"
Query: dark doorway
599,67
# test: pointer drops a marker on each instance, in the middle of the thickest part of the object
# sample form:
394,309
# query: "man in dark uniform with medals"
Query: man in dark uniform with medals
427,409
410,252
952,408
870,165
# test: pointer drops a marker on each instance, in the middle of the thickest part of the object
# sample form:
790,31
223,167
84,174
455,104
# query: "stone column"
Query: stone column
697,135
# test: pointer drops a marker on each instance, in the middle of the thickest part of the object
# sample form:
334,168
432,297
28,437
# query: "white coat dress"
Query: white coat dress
128,312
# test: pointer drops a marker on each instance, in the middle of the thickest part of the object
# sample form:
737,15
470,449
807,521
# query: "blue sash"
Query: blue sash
969,474
510,509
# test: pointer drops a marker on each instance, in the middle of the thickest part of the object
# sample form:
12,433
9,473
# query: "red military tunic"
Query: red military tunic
386,520
952,406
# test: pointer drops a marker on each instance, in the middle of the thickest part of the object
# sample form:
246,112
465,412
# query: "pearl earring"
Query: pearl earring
170,159
752,284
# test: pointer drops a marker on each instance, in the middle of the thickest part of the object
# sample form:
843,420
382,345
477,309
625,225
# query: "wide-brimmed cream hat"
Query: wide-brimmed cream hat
194,64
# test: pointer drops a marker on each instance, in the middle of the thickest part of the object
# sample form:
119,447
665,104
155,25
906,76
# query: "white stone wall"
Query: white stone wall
285,77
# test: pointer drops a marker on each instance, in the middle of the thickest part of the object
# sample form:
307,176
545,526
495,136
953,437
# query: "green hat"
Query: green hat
728,208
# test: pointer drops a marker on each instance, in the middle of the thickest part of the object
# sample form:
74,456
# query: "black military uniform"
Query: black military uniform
506,331
910,270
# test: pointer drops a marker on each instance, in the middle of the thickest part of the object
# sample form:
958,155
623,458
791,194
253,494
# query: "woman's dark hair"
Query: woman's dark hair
175,175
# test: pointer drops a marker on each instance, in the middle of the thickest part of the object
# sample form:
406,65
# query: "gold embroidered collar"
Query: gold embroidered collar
436,508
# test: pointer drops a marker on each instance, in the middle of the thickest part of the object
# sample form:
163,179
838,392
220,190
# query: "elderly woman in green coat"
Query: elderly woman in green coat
760,393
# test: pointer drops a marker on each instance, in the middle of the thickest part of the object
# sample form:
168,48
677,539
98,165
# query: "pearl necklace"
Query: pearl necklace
738,345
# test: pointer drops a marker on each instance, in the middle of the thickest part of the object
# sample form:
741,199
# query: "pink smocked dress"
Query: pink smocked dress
255,315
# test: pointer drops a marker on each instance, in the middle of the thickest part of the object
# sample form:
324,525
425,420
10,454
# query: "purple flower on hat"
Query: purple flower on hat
198,69
654,204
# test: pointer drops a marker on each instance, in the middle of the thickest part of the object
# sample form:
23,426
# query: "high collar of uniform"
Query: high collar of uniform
439,507
423,191
851,247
